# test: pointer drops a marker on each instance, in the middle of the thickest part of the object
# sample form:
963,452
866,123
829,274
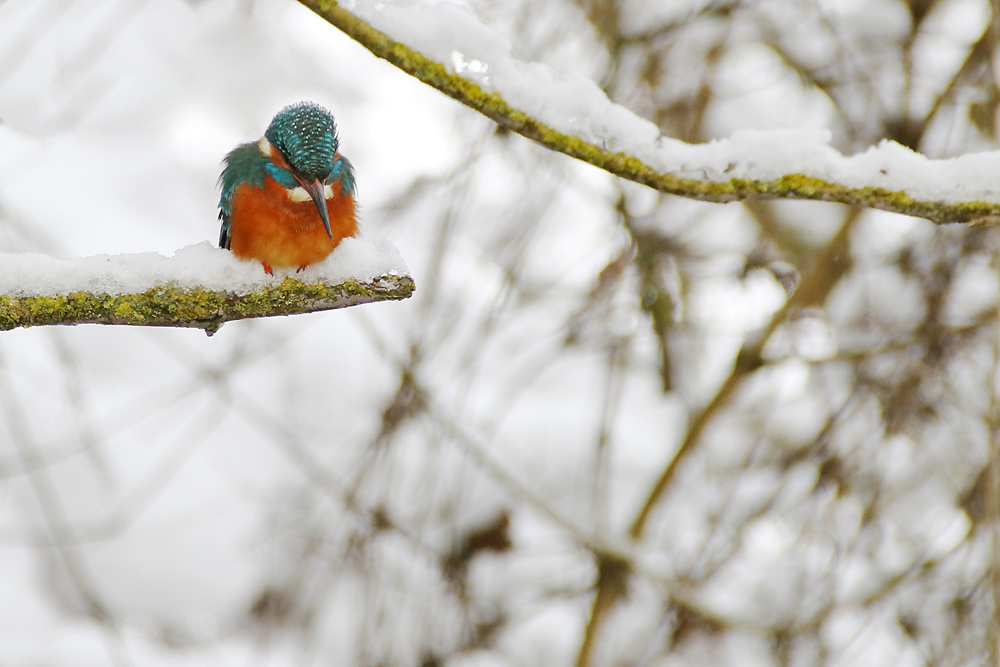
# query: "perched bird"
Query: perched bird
288,199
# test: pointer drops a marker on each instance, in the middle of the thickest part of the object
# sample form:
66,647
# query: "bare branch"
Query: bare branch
812,291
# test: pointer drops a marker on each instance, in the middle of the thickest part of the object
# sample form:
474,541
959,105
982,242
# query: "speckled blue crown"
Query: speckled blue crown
306,134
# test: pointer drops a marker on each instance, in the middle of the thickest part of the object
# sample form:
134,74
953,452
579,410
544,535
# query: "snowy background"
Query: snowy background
446,480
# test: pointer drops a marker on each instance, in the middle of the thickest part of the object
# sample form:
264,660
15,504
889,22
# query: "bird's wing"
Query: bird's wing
245,164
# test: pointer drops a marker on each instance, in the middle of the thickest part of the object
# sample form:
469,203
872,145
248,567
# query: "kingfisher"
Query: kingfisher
288,199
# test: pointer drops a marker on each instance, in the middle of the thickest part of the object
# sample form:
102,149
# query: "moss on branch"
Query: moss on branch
492,105
171,306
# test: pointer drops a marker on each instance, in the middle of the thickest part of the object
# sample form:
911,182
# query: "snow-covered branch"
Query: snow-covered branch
446,47
200,287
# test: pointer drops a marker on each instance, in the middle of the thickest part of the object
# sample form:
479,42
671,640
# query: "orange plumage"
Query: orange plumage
266,225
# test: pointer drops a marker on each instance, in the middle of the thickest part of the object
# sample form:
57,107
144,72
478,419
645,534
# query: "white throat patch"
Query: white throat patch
300,194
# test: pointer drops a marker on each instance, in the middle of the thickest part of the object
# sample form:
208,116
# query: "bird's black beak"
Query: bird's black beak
315,190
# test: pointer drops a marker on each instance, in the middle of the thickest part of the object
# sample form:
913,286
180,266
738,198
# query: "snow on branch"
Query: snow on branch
448,48
201,286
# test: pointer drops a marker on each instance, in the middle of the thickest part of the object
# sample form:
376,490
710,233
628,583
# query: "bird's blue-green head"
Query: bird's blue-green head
306,135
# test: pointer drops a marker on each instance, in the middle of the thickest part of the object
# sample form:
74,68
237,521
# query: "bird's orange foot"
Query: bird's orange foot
267,269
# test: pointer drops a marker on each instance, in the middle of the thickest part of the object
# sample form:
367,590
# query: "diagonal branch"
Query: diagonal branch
493,105
812,291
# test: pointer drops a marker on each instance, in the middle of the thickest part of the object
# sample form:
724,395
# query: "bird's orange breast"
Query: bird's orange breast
266,225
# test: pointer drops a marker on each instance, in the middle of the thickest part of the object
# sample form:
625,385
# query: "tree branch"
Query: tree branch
492,105
208,309
811,291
